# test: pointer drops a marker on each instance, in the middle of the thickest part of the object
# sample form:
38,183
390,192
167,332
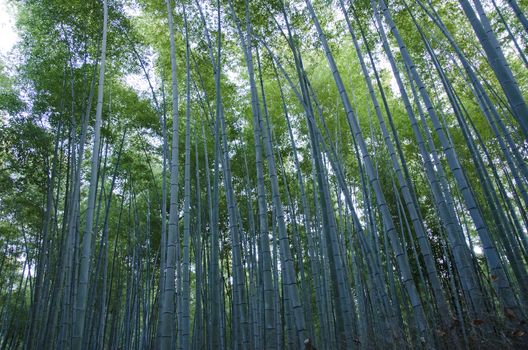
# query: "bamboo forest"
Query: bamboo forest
264,174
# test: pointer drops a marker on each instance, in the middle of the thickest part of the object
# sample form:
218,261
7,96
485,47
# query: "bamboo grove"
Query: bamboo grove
252,174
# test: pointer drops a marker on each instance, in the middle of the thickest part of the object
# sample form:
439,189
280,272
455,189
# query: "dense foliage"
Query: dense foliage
329,174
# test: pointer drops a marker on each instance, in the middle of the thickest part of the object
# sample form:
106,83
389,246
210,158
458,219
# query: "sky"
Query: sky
8,36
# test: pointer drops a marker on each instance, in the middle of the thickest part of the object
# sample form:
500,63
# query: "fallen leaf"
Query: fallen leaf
440,333
510,314
518,333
